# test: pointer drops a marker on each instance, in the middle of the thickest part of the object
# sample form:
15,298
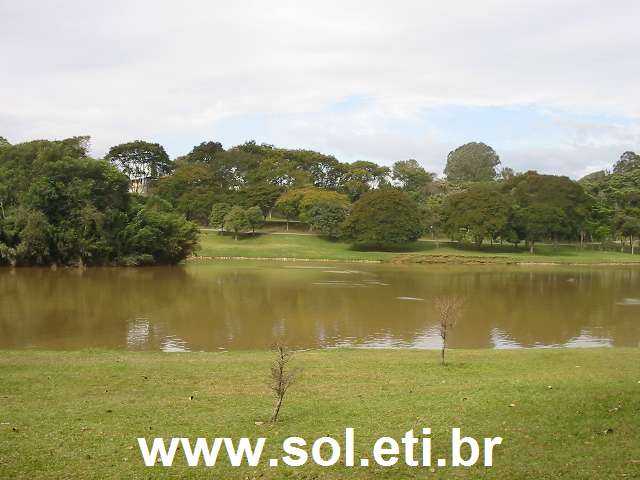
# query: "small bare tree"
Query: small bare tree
282,377
449,310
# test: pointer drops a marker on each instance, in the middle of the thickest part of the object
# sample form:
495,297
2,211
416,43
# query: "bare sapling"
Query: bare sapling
282,377
449,310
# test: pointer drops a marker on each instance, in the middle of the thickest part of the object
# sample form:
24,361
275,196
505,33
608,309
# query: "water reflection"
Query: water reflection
249,305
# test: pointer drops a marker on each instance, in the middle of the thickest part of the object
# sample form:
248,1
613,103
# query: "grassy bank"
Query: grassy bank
305,246
77,415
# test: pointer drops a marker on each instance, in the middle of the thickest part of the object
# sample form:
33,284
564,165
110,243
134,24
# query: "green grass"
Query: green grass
77,415
306,246
282,246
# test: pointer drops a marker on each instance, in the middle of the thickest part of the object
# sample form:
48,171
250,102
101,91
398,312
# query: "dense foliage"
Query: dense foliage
384,218
472,162
58,206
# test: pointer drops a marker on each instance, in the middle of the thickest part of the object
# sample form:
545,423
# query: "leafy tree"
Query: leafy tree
482,211
628,162
218,213
412,178
204,154
35,238
627,225
237,220
255,218
4,142
361,176
140,159
289,204
324,210
431,214
386,218
263,195
538,221
547,206
472,162
158,235
189,189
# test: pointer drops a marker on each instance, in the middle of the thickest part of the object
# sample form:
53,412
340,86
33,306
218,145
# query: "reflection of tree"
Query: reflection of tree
247,306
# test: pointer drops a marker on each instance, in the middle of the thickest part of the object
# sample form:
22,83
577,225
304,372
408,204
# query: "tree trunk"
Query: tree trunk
632,246
276,410
235,235
287,225
531,247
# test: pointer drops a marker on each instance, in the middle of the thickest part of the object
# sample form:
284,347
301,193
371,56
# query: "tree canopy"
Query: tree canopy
384,218
140,159
482,212
472,162
59,206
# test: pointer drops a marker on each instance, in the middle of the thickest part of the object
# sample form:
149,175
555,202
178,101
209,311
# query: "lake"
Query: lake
231,305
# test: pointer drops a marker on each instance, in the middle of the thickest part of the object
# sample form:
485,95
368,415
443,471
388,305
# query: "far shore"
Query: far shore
293,247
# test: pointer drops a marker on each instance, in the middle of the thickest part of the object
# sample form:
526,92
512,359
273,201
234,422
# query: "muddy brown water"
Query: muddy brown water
244,305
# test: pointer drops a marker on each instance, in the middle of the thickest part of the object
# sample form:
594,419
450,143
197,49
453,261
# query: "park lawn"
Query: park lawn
562,413
305,246
293,245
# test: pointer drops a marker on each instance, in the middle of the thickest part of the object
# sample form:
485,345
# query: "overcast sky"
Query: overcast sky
552,85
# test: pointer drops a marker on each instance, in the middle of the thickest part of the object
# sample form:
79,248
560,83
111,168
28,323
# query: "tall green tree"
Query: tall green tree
324,211
289,203
385,218
362,176
218,213
237,221
628,162
204,154
140,159
482,212
472,162
547,207
412,178
255,218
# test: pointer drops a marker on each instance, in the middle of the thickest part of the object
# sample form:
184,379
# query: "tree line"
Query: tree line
236,189
478,200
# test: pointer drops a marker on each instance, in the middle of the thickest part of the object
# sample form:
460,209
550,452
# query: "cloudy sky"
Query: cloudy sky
552,85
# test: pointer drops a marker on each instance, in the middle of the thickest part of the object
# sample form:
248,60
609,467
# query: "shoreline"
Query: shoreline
434,260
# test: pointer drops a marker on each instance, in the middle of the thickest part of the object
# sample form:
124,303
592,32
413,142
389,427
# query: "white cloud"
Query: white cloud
159,70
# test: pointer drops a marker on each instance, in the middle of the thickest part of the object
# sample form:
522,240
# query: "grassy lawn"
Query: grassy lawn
77,415
282,246
313,247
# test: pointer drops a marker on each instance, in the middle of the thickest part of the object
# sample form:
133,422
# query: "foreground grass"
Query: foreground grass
314,247
77,415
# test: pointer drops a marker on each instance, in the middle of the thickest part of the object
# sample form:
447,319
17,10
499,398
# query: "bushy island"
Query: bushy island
58,206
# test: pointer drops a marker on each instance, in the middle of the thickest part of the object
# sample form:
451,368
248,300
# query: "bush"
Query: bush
165,236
